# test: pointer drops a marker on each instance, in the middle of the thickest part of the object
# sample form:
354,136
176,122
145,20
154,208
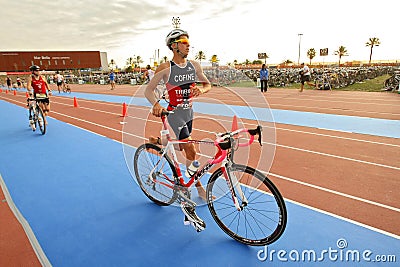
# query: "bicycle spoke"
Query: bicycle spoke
261,220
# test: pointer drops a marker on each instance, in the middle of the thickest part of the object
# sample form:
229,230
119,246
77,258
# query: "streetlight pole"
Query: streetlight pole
298,60
176,22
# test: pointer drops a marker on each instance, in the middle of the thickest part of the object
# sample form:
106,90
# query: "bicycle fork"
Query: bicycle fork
233,183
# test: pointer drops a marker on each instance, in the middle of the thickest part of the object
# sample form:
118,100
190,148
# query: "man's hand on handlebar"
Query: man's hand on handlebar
157,110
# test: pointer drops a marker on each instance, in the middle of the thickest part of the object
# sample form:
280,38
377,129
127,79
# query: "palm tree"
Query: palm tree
372,42
130,61
311,54
165,58
341,52
138,60
200,56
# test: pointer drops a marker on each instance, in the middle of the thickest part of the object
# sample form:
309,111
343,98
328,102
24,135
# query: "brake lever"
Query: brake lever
257,131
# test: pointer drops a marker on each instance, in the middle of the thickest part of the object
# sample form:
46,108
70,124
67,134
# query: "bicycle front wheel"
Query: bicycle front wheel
156,174
41,120
261,220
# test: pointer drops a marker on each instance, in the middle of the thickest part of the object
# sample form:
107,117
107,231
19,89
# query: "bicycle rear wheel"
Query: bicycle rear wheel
156,175
41,120
259,222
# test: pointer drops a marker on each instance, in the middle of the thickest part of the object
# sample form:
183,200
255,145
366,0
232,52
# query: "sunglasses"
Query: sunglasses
183,41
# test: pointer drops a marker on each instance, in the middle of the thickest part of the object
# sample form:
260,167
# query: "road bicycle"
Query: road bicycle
36,115
244,203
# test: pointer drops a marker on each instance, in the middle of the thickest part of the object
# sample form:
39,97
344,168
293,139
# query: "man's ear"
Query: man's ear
173,46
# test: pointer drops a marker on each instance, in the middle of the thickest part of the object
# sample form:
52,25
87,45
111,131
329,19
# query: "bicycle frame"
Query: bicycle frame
222,156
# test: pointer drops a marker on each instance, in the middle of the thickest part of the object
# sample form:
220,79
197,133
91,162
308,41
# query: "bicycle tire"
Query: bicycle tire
259,223
161,189
40,115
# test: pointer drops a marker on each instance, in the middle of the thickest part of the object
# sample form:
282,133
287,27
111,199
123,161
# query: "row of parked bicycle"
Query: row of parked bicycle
324,78
332,77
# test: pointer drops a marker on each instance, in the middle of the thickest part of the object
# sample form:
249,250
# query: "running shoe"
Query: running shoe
192,218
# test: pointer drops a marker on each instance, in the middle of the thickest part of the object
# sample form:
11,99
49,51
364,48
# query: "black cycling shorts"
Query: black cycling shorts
305,78
181,122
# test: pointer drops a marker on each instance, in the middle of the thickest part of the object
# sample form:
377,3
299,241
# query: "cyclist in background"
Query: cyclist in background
38,87
179,75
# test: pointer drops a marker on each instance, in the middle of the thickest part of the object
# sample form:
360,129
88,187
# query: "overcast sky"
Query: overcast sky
234,29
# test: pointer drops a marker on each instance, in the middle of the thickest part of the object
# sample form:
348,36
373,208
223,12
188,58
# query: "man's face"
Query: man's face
182,44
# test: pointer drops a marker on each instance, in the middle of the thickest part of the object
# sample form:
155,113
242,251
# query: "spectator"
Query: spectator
9,82
148,74
59,80
112,80
19,83
264,78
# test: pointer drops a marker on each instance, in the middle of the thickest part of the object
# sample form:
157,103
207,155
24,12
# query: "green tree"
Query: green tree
311,54
200,56
138,60
129,68
341,52
372,42
257,61
287,61
130,61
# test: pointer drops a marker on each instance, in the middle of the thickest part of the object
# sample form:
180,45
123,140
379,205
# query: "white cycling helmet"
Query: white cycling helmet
173,35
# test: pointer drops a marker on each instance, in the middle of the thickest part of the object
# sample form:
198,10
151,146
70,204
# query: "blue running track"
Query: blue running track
75,191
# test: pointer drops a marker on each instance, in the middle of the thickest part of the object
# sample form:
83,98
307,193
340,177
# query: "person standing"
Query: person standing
59,81
305,76
180,76
112,80
9,82
19,82
264,73
148,74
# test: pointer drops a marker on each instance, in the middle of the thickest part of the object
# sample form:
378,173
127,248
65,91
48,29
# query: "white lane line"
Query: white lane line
338,157
272,174
284,146
345,219
333,192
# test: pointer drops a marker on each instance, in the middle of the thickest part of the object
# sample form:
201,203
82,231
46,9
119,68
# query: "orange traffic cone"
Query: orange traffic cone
6,91
27,95
234,124
1,90
15,92
75,103
124,110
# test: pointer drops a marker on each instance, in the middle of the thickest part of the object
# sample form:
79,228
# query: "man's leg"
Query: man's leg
190,154
302,86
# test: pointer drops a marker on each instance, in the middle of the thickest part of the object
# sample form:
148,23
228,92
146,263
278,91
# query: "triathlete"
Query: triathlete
181,77
38,87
